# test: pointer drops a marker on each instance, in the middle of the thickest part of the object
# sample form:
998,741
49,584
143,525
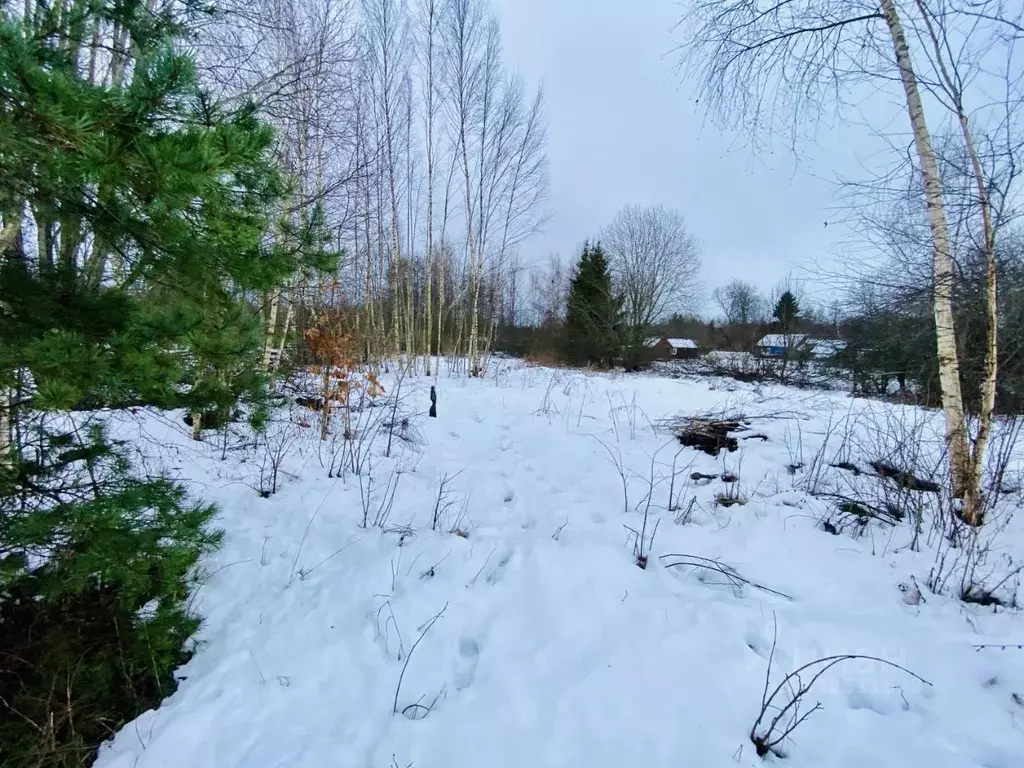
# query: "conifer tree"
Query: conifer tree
593,318
135,220
787,310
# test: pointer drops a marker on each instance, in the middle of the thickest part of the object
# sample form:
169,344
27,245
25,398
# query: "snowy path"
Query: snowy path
553,648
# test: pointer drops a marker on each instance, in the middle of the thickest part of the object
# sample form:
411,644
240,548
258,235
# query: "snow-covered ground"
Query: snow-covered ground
522,633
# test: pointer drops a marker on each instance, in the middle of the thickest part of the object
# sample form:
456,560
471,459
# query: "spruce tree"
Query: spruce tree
135,225
593,318
787,310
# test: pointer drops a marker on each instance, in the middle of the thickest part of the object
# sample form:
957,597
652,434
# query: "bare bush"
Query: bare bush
620,469
631,413
891,484
741,366
972,563
788,698
684,514
444,501
547,405
377,504
396,424
675,501
642,545
279,440
366,418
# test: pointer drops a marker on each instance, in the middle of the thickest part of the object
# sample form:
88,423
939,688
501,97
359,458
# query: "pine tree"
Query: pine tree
150,210
787,310
593,318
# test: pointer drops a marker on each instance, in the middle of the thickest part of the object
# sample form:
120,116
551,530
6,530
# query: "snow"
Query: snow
552,648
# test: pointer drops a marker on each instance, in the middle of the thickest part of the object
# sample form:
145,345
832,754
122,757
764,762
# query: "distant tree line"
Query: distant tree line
890,336
620,289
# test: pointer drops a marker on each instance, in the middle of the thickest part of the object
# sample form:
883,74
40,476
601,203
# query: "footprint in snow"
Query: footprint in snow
465,665
880,705
498,571
757,644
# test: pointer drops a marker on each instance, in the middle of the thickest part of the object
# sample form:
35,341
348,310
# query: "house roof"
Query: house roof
653,341
827,347
682,343
783,340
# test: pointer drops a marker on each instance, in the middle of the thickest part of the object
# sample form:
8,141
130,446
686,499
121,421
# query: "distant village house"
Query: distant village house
783,344
673,349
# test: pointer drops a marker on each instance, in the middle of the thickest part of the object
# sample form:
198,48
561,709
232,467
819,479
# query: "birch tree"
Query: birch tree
294,59
785,61
464,42
400,121
387,45
430,21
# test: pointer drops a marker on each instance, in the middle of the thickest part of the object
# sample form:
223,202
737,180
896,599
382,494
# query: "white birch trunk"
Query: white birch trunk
270,327
972,493
285,330
440,317
942,263
5,427
427,298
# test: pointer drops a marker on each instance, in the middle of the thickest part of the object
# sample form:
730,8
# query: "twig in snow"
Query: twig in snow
547,406
205,578
304,572
673,505
733,577
486,561
430,572
642,547
423,633
683,516
416,706
305,533
558,531
390,620
394,410
260,671
616,459
1000,646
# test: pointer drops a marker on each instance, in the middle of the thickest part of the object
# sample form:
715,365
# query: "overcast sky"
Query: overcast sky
623,129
